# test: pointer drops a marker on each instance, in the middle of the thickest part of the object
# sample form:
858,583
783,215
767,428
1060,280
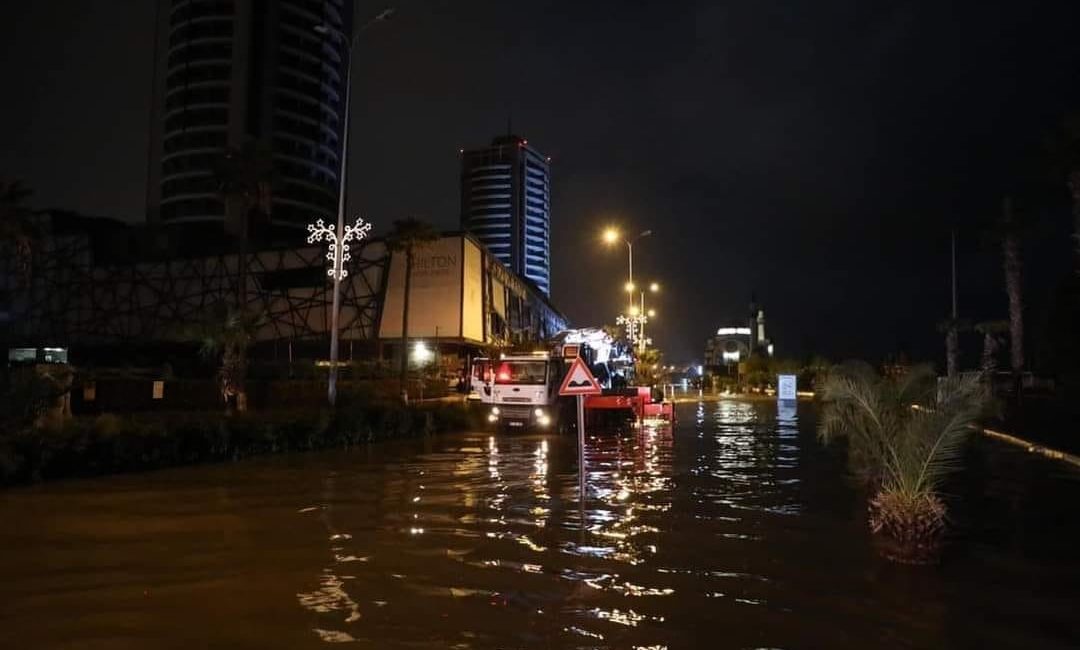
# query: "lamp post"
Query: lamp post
338,253
631,322
339,236
645,316
611,235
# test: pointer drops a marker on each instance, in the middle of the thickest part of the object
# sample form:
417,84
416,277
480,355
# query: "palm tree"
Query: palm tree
952,327
905,436
17,226
226,332
408,236
649,367
990,330
1065,163
1009,228
244,178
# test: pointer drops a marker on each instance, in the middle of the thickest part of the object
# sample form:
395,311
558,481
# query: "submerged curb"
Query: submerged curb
1032,447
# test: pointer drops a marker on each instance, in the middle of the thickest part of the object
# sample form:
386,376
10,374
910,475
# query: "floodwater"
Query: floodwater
734,530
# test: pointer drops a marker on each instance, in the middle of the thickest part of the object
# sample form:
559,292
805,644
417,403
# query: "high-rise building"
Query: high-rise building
229,72
506,204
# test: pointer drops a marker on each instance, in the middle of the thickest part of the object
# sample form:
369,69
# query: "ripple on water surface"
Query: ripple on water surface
734,529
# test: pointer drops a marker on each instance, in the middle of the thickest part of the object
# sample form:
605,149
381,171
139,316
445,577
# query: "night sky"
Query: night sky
816,153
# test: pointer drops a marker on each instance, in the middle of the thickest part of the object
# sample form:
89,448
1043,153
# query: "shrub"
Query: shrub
905,436
86,446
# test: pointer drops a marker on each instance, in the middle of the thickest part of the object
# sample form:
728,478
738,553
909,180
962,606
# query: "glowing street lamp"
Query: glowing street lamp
422,354
612,236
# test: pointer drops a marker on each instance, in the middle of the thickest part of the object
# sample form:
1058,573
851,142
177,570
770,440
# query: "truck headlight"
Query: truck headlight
539,413
494,410
544,420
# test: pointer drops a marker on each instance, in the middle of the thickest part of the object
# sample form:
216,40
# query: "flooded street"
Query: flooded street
735,529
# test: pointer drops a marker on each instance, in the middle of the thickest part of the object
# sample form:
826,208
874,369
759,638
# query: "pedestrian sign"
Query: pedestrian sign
579,380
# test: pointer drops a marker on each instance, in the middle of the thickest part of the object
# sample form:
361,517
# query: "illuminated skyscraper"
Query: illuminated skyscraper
506,204
232,71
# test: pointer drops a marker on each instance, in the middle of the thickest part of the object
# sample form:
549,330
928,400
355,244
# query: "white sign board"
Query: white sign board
786,387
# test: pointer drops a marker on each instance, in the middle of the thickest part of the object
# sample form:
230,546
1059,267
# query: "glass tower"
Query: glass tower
234,71
506,204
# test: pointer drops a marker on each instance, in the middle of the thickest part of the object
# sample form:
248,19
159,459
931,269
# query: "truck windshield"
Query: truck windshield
521,372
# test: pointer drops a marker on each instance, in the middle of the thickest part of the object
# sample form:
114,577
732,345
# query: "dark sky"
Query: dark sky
817,153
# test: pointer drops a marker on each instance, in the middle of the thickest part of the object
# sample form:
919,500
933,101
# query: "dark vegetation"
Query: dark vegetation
108,443
38,443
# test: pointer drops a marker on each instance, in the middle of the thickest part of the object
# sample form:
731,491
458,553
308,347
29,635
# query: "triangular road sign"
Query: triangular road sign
580,381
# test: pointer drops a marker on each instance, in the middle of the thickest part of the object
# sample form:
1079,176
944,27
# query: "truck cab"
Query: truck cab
525,391
481,375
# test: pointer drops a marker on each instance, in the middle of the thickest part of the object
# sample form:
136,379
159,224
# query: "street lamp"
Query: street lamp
642,341
340,235
612,236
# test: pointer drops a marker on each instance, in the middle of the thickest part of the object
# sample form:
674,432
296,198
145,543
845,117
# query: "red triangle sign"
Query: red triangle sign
580,381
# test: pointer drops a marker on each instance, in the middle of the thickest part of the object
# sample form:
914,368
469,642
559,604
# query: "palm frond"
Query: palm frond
409,234
909,431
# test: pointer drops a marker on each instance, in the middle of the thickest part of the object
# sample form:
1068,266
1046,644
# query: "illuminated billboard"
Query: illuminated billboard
446,292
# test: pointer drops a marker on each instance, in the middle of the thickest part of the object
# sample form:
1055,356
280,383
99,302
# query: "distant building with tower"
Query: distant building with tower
228,73
506,205
736,342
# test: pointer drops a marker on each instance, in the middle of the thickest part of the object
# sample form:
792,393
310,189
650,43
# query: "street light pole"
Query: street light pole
611,236
644,316
331,389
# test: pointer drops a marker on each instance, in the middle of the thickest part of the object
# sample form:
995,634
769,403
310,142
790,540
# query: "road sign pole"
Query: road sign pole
581,455
580,382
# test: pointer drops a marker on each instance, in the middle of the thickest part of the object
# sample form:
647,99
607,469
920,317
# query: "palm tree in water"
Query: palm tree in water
905,435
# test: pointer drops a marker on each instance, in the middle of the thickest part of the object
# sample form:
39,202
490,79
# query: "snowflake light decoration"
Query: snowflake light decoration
338,252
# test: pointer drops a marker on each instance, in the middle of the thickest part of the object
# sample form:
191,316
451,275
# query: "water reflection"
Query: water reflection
733,530
515,500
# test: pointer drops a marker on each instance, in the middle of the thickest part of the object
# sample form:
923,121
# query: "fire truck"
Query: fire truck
522,388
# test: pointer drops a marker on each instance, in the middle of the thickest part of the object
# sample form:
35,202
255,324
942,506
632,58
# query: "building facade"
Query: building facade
506,205
230,73
90,289
735,343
